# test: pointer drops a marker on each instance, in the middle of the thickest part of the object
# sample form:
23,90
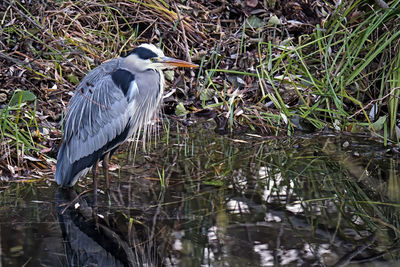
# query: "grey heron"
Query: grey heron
112,103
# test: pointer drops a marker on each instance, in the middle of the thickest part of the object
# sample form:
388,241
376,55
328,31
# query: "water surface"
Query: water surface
202,199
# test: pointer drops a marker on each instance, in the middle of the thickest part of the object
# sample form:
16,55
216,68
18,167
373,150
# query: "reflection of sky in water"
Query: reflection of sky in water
274,189
320,251
177,245
266,254
267,258
239,180
208,255
255,217
295,208
237,207
269,217
288,256
212,234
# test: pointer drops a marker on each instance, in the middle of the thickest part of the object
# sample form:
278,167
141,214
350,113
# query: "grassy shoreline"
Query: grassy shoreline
262,68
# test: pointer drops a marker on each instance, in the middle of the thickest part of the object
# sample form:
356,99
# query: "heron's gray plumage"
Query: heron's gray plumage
100,112
114,102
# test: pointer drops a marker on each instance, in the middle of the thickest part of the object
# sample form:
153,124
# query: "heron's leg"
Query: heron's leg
106,162
130,147
95,167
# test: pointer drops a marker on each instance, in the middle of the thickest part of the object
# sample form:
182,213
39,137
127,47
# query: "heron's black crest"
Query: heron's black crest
143,53
123,79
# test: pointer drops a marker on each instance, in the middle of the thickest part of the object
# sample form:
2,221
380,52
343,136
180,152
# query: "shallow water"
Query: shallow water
243,201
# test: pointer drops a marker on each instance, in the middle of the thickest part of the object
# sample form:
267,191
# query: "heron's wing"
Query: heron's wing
97,114
97,121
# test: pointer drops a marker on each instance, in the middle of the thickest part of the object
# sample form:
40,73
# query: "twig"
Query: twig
31,60
12,4
184,35
67,205
346,259
13,60
372,102
80,91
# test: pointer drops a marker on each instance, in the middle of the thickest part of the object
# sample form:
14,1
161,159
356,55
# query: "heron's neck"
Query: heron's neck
133,64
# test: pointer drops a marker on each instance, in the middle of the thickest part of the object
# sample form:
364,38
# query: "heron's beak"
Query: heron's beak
173,62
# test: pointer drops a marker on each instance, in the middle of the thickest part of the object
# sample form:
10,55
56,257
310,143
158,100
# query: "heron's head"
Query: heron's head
148,56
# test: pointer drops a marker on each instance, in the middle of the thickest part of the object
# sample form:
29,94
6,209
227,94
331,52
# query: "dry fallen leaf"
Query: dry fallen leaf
252,3
31,158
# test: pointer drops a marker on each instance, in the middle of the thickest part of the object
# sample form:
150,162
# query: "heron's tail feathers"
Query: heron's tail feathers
68,173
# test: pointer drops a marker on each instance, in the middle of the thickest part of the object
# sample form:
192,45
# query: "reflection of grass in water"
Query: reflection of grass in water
16,195
333,189
342,182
